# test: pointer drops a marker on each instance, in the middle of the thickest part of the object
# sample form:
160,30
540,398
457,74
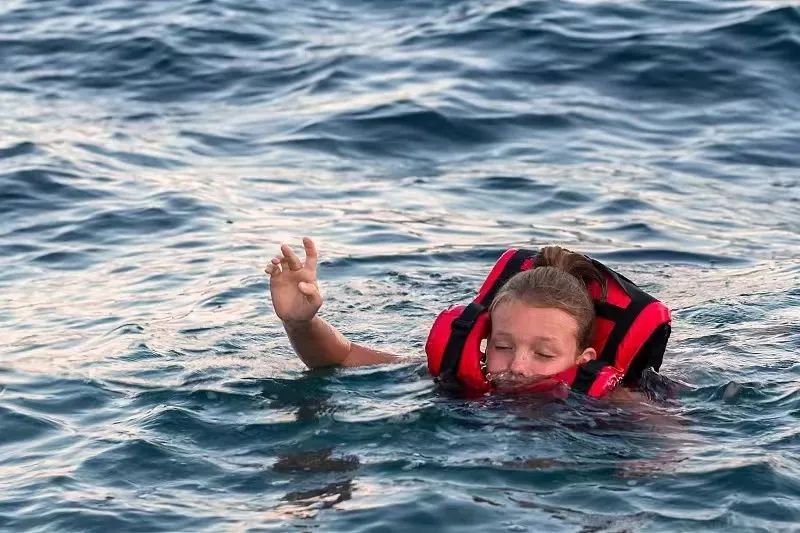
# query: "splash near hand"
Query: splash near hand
293,284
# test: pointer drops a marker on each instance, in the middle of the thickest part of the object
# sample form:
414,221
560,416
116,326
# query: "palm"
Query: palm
288,301
293,284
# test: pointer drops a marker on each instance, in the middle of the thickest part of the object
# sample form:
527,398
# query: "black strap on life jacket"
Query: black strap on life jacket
587,374
652,352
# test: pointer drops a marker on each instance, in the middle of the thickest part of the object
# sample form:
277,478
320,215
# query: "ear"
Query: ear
587,355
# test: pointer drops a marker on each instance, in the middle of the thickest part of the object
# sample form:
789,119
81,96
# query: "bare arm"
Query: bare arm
296,299
318,344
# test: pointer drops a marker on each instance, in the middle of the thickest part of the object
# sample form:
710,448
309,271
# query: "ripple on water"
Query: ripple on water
19,149
146,463
623,206
42,189
62,396
635,232
138,224
136,159
418,141
723,313
406,128
19,427
669,256
91,510
500,184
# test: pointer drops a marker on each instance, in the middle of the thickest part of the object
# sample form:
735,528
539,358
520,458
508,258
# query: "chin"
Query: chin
505,382
547,388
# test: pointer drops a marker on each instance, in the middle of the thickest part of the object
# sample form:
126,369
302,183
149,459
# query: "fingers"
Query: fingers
311,292
289,260
292,261
273,268
311,253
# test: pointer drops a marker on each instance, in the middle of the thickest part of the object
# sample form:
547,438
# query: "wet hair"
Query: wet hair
558,280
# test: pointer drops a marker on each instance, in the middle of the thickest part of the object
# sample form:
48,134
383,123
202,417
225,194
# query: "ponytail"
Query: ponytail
572,263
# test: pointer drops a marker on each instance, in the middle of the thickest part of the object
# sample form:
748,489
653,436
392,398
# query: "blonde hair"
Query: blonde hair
558,280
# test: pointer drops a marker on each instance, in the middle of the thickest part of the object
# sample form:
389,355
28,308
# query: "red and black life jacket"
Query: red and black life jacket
631,333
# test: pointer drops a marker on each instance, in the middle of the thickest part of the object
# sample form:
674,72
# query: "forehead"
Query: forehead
522,321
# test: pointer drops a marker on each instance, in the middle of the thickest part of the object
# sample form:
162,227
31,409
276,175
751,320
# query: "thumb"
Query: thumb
310,291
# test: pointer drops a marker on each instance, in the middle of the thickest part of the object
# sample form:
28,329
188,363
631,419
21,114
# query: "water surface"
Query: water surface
154,155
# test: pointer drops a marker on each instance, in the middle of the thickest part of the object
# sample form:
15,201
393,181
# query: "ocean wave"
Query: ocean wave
154,155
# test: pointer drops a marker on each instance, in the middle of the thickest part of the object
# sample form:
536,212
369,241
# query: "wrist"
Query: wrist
295,325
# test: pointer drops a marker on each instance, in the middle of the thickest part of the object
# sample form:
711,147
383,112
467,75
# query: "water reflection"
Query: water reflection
311,473
307,395
307,503
315,461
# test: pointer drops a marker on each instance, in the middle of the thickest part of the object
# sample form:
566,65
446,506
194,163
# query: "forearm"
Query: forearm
318,344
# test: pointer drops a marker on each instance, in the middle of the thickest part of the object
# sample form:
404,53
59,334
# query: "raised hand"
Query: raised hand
293,284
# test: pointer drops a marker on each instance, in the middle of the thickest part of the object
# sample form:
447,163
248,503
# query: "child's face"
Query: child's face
532,342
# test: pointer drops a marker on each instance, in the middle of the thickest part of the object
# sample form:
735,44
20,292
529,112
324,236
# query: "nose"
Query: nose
521,364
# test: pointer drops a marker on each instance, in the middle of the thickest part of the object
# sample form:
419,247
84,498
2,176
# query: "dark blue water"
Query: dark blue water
153,155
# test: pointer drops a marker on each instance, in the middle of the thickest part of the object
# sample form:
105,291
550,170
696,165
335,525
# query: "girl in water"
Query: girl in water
542,319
